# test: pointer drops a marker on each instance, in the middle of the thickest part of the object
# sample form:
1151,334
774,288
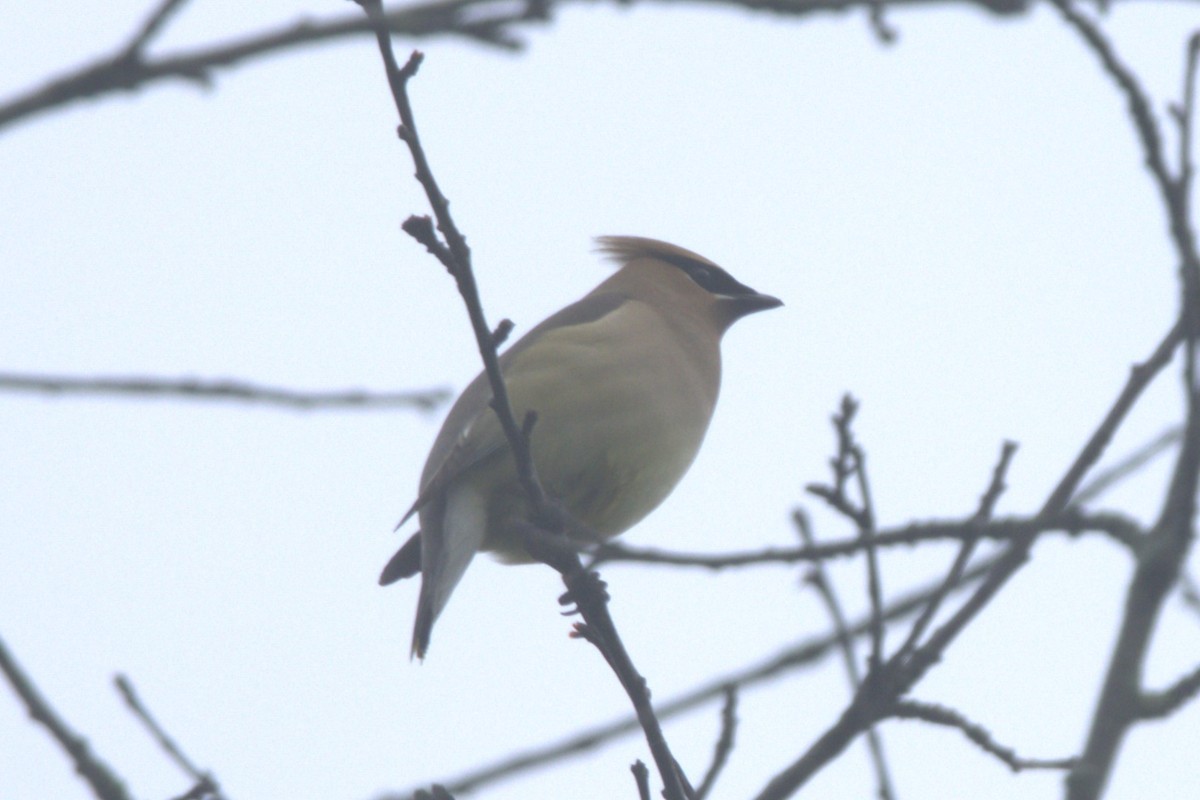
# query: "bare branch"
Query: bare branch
1101,482
641,776
152,26
221,389
1140,377
99,776
724,744
987,505
1173,190
486,22
794,657
584,588
206,784
940,715
1122,703
819,580
882,689
850,462
1156,705
122,73
1120,529
1139,106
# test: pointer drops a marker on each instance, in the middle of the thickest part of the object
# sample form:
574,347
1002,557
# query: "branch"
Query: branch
584,588
98,775
1121,703
819,580
206,785
1127,466
1120,529
724,744
220,389
799,655
1174,190
641,777
152,26
128,70
940,715
987,505
1157,705
881,690
487,22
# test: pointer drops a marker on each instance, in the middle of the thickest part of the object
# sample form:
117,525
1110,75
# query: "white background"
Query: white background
960,226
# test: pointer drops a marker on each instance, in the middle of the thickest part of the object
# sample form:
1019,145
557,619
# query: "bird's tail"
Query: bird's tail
447,547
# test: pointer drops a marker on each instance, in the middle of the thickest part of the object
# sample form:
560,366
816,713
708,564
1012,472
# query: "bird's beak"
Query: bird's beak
741,305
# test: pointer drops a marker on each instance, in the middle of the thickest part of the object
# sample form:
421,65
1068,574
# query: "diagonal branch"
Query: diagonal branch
154,24
818,578
98,775
794,657
206,785
882,689
724,745
584,588
1156,705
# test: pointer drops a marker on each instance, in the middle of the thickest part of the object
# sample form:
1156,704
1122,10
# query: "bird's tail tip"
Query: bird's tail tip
422,630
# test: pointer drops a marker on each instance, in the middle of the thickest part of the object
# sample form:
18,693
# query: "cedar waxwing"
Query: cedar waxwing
623,381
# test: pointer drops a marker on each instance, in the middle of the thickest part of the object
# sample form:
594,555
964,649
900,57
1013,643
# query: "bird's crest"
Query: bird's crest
706,274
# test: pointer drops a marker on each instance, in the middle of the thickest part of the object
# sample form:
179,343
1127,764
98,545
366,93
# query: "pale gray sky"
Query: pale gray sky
960,227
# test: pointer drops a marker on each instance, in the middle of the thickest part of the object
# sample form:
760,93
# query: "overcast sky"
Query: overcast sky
960,227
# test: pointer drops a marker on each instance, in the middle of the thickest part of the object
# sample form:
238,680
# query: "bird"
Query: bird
623,383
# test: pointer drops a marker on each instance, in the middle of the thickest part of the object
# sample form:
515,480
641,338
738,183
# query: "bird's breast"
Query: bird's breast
622,409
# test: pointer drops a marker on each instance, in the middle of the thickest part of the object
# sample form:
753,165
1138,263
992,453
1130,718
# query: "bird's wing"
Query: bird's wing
406,562
471,433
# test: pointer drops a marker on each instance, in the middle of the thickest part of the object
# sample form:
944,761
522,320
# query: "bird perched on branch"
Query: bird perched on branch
623,383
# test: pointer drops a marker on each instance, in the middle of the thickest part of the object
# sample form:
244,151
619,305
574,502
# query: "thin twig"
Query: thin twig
1139,107
1123,530
117,74
98,775
641,777
1129,465
940,715
819,580
153,25
206,784
724,745
1170,188
220,389
1189,270
585,589
1157,705
1121,703
807,652
900,675
454,253
850,462
1015,556
987,505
